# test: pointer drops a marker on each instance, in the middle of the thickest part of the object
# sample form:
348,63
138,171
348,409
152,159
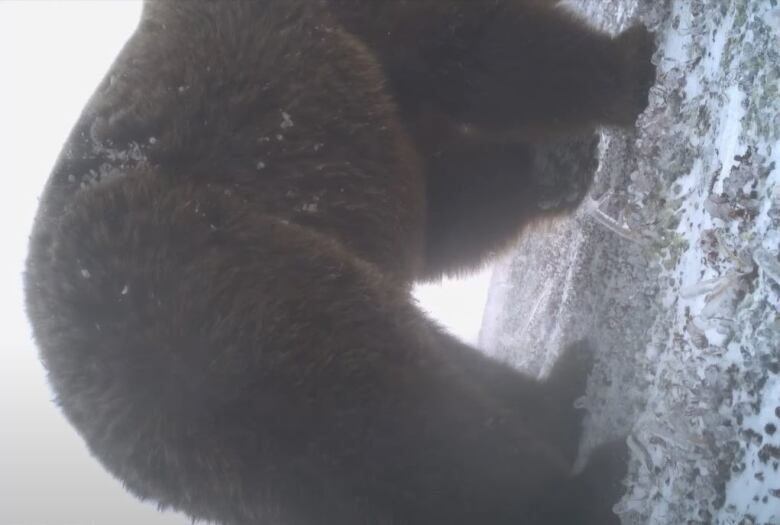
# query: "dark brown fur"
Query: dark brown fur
219,272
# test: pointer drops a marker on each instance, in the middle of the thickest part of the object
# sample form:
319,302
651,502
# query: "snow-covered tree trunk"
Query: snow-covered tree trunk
672,271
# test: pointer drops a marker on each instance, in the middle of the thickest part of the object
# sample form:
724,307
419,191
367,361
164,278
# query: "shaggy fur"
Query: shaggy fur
219,272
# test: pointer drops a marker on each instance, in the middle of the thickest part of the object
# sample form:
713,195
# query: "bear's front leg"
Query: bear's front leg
517,66
539,70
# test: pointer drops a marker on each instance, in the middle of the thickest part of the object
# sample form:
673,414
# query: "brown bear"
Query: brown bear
220,269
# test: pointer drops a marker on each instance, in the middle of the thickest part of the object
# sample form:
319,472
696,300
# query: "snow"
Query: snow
670,269
287,121
746,490
768,264
727,141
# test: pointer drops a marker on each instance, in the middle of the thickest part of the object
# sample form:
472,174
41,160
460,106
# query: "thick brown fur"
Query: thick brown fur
220,269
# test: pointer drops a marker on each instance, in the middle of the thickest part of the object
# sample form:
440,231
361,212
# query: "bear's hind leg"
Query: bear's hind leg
550,402
244,369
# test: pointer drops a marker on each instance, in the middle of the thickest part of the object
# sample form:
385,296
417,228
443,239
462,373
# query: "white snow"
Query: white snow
287,121
727,140
755,490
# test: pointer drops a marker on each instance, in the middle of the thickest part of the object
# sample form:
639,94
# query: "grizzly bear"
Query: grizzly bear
219,273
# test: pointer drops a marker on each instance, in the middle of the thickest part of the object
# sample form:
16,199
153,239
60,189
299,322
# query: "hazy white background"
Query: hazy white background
52,55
